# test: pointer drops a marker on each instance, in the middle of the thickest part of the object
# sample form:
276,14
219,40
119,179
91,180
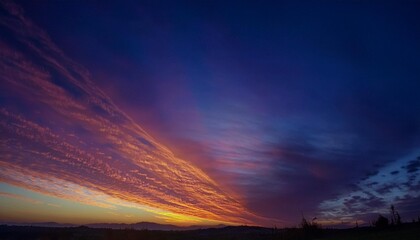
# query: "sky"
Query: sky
209,112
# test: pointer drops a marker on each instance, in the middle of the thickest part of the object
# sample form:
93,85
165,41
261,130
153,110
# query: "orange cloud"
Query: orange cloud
65,132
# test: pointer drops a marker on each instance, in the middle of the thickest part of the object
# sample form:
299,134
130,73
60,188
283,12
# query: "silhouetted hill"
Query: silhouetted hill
149,226
135,226
407,231
40,224
99,233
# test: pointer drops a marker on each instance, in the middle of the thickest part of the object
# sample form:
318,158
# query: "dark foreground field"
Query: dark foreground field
403,232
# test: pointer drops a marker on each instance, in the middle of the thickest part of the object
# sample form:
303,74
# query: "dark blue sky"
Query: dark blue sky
293,107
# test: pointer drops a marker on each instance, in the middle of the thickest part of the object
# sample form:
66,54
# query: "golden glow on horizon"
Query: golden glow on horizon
20,205
73,143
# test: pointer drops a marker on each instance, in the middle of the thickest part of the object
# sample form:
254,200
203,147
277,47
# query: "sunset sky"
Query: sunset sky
209,112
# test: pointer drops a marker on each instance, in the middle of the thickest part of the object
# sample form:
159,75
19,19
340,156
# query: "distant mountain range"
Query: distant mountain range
136,226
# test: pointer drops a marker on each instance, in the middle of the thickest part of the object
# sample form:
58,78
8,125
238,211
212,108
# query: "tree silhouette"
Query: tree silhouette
395,216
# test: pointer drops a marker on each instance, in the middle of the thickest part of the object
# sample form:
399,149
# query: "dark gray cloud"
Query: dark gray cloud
413,166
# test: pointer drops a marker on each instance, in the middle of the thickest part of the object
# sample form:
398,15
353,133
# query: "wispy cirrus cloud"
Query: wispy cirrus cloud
19,197
286,115
59,131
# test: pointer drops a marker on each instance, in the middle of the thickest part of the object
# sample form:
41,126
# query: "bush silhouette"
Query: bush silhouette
310,228
381,222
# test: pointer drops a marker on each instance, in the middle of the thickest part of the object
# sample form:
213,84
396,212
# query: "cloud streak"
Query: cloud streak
58,131
289,112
